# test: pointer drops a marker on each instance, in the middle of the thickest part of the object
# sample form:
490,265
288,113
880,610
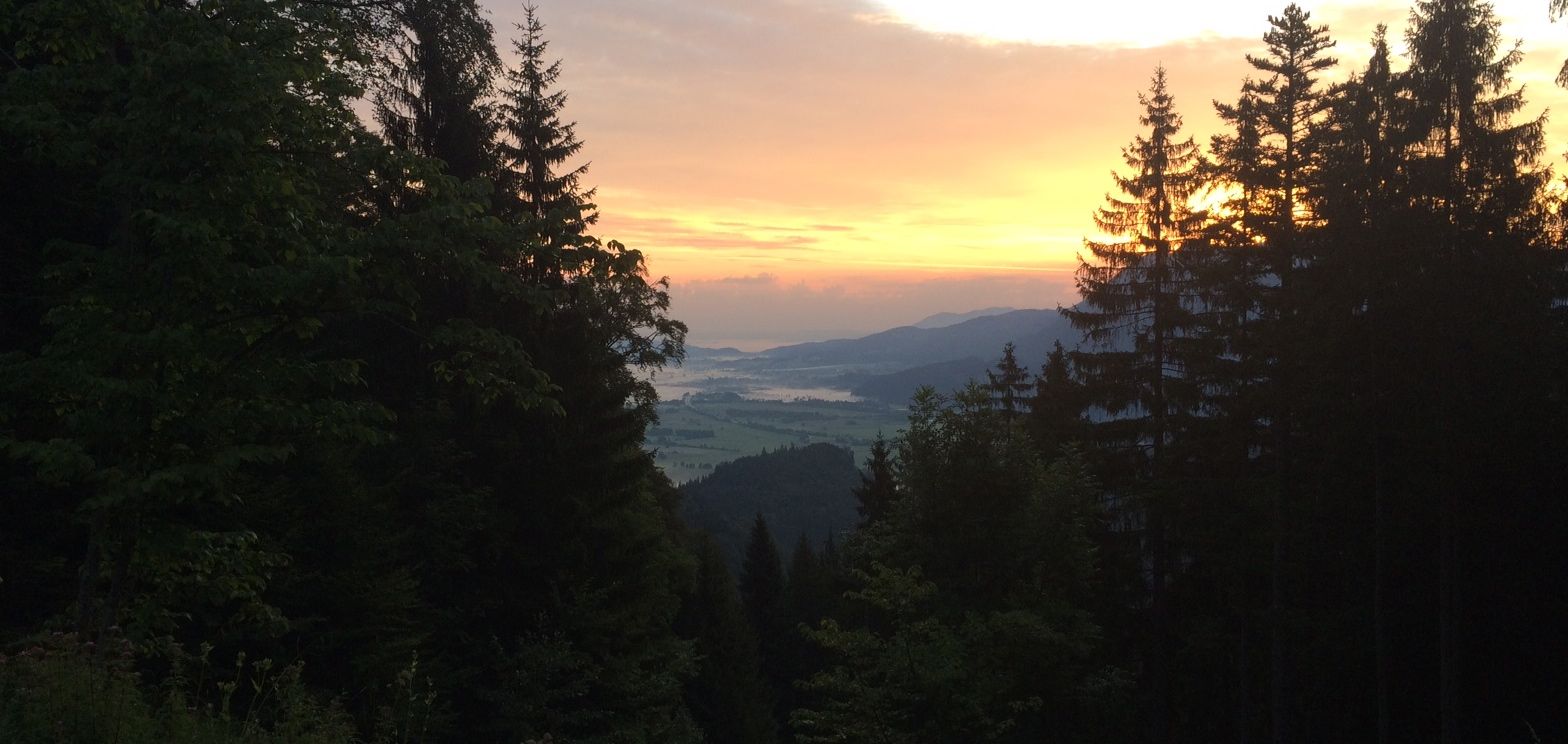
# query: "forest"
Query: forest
324,418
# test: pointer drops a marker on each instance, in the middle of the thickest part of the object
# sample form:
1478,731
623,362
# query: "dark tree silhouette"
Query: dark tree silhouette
1138,317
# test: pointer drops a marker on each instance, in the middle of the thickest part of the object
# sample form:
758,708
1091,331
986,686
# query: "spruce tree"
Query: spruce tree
1359,199
433,93
562,500
1009,384
1278,165
1055,410
536,145
762,593
1557,9
878,488
1139,316
727,696
1138,292
1473,177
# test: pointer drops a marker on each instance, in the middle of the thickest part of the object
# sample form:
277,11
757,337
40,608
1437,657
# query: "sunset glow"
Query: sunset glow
887,155
1119,24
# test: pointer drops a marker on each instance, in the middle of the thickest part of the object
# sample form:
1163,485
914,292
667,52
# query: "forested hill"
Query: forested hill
798,491
898,387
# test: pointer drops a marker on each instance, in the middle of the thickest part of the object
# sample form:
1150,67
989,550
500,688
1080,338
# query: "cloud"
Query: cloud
794,139
758,311
753,280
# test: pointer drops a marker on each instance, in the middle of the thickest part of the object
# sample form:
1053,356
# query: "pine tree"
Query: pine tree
762,593
1358,198
1009,384
1138,314
806,586
1473,177
433,94
563,501
762,580
536,144
1278,113
1055,411
878,488
1138,292
727,697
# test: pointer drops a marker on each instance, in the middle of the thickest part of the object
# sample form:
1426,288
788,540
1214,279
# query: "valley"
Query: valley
722,404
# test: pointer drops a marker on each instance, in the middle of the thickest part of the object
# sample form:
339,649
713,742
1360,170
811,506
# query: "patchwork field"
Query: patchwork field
699,431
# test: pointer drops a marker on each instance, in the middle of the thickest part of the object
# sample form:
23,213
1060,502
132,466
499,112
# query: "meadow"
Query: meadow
697,432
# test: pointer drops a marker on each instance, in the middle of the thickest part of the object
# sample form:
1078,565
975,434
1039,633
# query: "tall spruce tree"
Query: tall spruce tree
762,594
1138,315
1277,165
1359,200
1473,176
536,145
1138,292
580,568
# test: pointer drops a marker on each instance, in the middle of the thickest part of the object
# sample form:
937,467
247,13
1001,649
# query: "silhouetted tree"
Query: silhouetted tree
1276,119
878,487
1009,384
1056,409
727,697
536,145
433,93
1138,316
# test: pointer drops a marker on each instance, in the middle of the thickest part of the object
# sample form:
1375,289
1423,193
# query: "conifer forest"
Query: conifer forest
325,406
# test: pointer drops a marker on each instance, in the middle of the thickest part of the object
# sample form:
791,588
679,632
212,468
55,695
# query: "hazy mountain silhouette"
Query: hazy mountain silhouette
1032,331
943,320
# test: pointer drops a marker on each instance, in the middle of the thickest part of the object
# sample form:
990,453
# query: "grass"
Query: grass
701,431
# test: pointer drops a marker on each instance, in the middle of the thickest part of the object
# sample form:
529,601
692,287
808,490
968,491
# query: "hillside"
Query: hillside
897,387
797,490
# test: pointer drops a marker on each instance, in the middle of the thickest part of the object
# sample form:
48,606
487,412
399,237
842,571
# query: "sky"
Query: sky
811,169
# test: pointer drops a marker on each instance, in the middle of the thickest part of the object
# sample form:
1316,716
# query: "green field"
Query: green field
700,431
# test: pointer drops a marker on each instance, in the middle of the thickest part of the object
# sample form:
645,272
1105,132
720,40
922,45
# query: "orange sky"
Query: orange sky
811,168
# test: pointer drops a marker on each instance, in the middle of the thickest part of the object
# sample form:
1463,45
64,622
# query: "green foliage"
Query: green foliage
537,144
60,690
968,618
798,490
728,696
278,385
878,489
182,364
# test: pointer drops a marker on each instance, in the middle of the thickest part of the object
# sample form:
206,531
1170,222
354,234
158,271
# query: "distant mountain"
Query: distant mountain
1032,331
805,490
943,320
898,387
723,352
